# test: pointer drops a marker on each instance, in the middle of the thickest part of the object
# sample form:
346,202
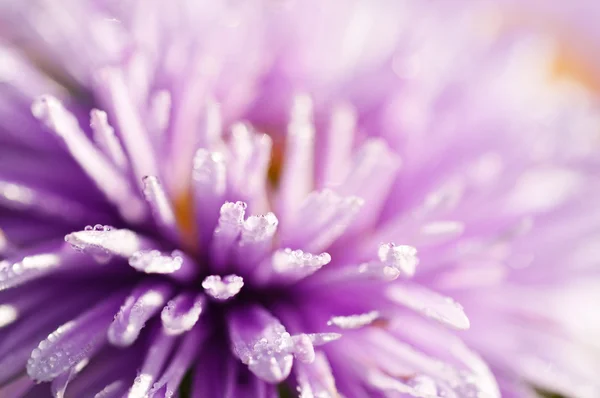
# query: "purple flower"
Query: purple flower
223,198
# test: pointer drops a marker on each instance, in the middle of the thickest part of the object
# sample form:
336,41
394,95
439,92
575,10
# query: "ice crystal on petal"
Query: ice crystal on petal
222,289
354,321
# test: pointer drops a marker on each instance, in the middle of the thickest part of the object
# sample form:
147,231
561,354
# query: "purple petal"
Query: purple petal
103,242
72,342
105,138
132,132
155,360
168,384
227,232
182,313
297,179
260,341
209,185
105,175
316,379
430,304
143,303
162,209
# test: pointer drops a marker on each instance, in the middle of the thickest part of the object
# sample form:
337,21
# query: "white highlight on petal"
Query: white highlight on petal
259,228
137,309
102,242
14,273
260,341
182,313
297,179
105,138
298,262
443,229
432,305
132,131
161,206
401,258
354,321
323,338
154,262
8,314
222,289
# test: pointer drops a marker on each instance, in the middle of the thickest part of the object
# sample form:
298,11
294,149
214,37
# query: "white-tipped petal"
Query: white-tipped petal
222,289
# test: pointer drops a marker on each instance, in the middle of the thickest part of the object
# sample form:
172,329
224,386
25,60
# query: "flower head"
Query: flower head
290,193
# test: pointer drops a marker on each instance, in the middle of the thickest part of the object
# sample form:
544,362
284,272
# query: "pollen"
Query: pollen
184,214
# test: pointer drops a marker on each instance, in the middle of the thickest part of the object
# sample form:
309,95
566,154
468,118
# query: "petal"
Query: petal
108,179
72,342
260,341
430,304
141,305
156,358
176,265
103,242
297,179
182,313
168,384
161,206
316,379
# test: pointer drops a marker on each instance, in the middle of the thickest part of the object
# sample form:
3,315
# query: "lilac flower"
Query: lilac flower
291,193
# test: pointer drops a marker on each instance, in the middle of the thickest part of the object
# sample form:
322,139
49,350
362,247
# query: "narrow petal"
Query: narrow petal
256,239
168,384
430,304
354,321
155,360
370,178
18,196
248,162
59,385
196,124
297,179
109,374
316,379
37,263
209,185
322,219
144,302
73,341
336,150
17,343
218,375
287,265
105,138
106,176
162,209
131,129
182,313
227,232
260,341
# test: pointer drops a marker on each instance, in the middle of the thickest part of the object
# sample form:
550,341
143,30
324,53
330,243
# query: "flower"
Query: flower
291,193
